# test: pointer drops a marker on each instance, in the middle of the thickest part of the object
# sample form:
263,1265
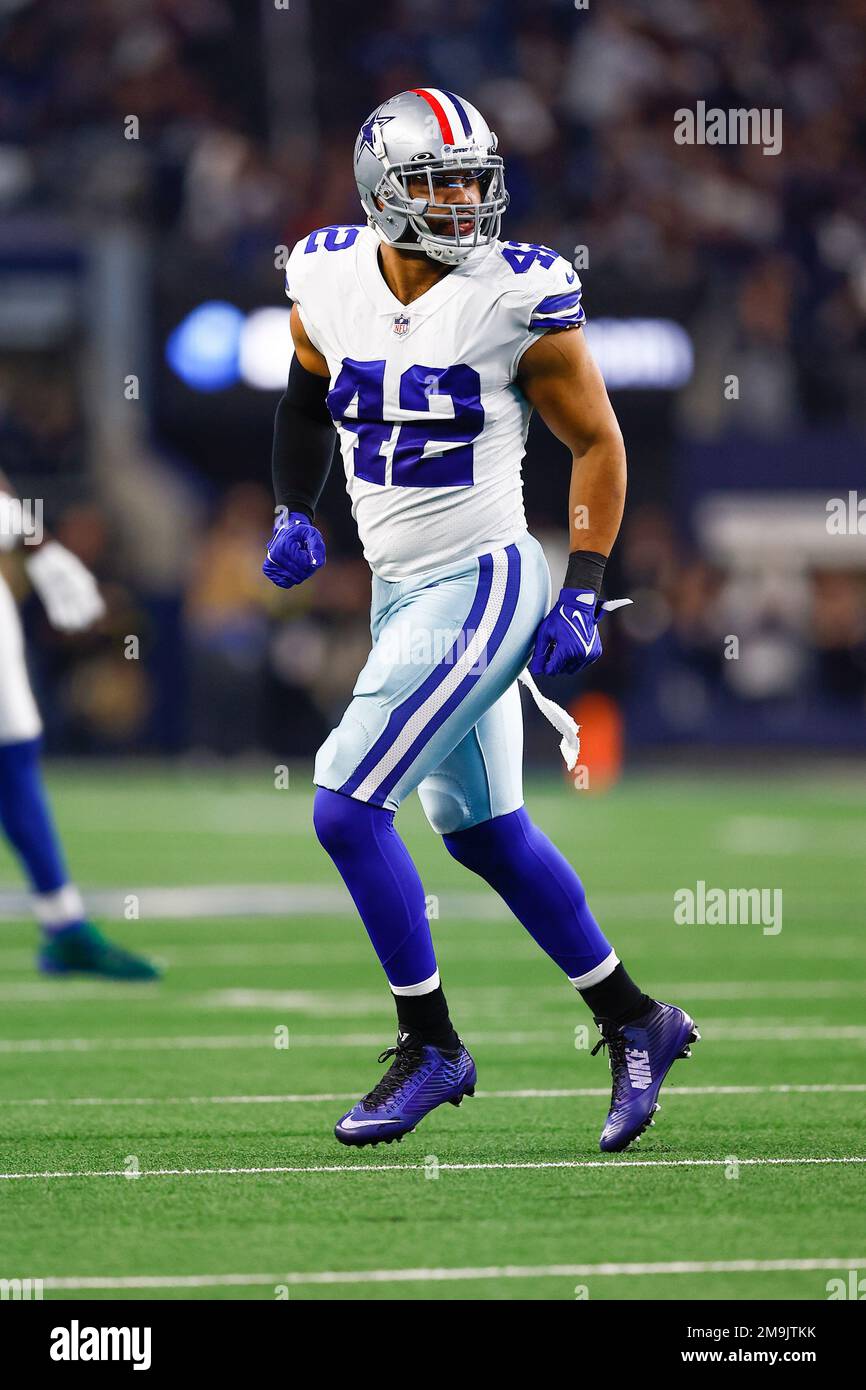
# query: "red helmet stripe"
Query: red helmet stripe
439,112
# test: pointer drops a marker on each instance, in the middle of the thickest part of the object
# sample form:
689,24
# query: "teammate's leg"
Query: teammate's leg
70,942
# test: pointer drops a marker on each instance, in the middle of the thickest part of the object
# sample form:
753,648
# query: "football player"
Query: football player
70,943
427,342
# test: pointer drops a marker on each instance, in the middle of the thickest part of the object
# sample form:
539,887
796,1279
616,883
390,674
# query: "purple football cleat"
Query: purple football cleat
640,1055
420,1078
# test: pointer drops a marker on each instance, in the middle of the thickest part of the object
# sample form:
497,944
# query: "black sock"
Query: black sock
617,998
425,1016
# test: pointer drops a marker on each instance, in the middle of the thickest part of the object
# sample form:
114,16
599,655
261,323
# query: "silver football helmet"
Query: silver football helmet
419,141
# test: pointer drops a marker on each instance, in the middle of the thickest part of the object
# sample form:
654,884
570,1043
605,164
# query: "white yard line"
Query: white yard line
315,1098
719,1033
207,901
422,1167
440,1275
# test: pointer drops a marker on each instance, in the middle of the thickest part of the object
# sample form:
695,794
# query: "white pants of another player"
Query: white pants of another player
19,717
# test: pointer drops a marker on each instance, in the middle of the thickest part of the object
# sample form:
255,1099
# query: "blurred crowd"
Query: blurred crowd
762,257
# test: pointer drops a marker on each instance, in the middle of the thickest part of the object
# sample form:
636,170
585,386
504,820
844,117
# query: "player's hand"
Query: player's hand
68,590
569,639
295,551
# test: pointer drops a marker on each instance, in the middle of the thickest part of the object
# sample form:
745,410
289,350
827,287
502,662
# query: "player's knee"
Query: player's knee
445,808
335,820
479,844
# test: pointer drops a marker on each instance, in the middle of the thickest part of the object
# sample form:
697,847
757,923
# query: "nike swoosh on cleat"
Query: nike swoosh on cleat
363,1124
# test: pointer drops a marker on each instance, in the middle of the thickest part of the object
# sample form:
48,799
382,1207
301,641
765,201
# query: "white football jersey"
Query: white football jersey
432,426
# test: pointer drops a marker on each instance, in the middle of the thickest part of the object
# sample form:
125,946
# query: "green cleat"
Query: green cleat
83,950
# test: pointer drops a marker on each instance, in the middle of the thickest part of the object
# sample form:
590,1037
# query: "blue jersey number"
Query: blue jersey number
520,255
365,383
335,239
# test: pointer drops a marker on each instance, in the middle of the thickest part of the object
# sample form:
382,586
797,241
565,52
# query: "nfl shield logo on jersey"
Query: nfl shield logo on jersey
401,325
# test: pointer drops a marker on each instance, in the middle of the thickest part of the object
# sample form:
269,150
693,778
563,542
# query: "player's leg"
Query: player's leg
475,801
446,647
69,941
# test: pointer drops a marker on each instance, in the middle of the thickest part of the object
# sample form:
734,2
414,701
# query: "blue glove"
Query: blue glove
295,551
568,638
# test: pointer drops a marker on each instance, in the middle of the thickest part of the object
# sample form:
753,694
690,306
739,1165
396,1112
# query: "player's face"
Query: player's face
458,187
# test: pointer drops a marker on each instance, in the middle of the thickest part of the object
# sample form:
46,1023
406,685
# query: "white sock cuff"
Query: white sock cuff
423,987
56,909
597,973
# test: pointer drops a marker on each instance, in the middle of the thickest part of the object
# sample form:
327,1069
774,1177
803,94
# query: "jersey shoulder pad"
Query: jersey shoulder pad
315,255
547,288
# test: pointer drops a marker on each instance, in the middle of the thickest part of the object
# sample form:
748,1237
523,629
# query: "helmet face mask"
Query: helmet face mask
406,153
441,227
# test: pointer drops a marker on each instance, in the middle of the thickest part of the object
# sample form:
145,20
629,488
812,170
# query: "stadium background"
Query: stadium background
246,118
155,258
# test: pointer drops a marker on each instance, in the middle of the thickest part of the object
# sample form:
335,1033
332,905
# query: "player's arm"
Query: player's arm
561,380
300,462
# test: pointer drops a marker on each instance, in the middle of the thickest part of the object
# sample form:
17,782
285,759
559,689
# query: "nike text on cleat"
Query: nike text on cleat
640,1055
419,1079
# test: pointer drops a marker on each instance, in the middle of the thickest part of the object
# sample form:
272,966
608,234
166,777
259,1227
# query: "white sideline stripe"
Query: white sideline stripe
421,1167
439,1275
245,900
314,1098
725,1034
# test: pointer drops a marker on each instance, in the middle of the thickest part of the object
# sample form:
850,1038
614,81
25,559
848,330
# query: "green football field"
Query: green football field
164,1141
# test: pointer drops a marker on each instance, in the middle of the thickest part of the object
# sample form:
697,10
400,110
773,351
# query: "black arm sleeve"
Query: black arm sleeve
303,442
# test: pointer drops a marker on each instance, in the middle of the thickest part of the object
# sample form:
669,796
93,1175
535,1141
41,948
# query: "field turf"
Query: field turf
728,1196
